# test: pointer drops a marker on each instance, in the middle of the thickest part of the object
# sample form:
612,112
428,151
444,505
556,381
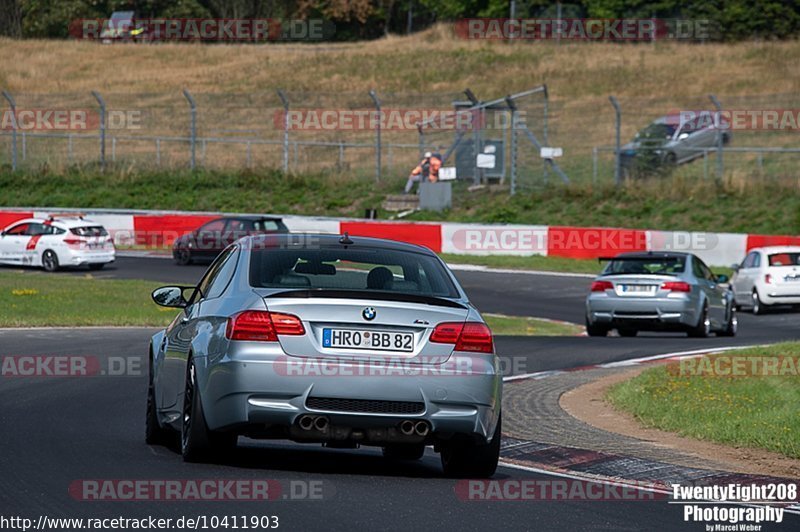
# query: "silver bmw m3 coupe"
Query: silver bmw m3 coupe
327,339
660,291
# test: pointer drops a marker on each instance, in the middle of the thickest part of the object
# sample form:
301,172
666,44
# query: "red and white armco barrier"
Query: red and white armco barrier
159,228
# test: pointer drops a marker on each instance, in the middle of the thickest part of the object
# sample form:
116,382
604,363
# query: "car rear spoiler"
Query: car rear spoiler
361,294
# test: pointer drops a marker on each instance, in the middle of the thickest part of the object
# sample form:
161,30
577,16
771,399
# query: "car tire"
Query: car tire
670,160
97,266
470,459
50,261
183,257
732,326
154,433
703,327
627,332
757,307
198,443
593,329
404,451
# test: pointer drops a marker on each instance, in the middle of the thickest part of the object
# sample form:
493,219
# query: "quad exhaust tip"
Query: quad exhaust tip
410,428
407,427
321,424
307,422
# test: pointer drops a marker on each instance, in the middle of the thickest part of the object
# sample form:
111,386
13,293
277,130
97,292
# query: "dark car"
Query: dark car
206,242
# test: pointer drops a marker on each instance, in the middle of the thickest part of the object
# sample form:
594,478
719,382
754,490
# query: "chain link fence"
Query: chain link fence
380,135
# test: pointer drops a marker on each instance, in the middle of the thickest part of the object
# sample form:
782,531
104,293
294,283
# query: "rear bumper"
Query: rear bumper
643,313
82,257
781,296
251,391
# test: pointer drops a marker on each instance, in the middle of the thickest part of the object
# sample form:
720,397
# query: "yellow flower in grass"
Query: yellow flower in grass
24,292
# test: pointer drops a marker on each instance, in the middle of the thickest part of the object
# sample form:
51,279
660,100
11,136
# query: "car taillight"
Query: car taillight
676,286
75,242
602,286
447,333
262,326
471,336
287,324
768,279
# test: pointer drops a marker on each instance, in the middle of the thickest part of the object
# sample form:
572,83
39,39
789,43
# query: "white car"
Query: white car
55,242
768,276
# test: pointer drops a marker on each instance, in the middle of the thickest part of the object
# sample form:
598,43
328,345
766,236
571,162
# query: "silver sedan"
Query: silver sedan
326,339
660,292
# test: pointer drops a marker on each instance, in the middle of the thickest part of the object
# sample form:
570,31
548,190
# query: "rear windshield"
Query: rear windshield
270,225
654,266
370,270
784,259
89,230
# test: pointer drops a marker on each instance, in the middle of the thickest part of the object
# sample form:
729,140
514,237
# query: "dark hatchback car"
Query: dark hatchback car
206,242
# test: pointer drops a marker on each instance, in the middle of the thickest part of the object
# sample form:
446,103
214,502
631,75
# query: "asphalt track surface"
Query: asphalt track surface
56,431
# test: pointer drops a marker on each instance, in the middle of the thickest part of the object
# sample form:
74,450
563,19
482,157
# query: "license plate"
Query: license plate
638,288
95,245
361,339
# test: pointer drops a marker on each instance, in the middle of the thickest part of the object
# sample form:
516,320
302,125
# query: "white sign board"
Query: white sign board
485,160
551,153
447,173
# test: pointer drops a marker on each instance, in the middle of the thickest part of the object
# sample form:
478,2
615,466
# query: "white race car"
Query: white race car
58,241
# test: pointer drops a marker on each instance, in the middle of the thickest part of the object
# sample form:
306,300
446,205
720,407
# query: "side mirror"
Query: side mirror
722,278
735,267
170,296
683,136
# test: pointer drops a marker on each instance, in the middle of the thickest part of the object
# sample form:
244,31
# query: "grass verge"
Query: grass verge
35,299
524,326
742,411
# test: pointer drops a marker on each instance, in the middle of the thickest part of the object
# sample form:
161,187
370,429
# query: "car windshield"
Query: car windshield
784,259
646,266
656,132
351,268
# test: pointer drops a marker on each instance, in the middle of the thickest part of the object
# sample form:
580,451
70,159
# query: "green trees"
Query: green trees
365,19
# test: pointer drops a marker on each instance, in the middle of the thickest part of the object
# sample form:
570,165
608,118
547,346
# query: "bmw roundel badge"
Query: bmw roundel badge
369,313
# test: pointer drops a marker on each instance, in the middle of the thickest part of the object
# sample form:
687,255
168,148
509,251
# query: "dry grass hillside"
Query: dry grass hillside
434,61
